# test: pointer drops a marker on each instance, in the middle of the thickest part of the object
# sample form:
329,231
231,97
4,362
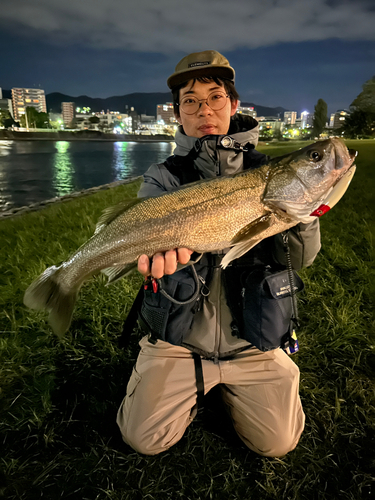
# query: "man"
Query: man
200,346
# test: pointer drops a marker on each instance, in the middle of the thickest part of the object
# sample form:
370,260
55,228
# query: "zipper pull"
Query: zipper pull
154,285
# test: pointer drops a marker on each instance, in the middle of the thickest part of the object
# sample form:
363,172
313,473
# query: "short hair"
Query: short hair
227,84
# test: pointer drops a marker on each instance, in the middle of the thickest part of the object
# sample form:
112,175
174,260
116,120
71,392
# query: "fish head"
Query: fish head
302,182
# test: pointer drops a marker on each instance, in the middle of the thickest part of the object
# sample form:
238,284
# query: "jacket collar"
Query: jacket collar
218,157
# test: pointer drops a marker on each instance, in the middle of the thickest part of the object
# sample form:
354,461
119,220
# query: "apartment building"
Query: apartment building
68,112
23,98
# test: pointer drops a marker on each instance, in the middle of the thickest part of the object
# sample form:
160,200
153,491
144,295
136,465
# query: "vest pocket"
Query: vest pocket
267,307
165,320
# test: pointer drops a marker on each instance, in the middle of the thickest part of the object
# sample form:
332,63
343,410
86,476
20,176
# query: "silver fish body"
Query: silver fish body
236,211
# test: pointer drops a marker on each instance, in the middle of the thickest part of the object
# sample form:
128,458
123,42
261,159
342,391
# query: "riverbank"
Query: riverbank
81,135
59,199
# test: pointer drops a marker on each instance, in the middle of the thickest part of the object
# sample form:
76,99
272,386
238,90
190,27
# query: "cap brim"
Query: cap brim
209,70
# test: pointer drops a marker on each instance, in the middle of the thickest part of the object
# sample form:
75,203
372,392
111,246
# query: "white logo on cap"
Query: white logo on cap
192,65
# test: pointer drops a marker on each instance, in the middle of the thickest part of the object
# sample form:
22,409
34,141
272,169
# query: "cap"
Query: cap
206,63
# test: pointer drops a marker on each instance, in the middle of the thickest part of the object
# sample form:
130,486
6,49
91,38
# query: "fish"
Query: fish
233,212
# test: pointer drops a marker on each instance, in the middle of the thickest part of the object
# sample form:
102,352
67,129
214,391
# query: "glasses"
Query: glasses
190,104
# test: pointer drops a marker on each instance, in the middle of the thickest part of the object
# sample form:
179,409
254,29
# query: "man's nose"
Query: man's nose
204,108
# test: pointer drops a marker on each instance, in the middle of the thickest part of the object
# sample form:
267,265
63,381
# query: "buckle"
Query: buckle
228,142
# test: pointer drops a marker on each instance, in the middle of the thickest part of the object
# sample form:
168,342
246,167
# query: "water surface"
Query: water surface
34,171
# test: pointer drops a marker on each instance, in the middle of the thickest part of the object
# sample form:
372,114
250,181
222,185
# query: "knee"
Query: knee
136,436
147,438
142,445
278,441
277,447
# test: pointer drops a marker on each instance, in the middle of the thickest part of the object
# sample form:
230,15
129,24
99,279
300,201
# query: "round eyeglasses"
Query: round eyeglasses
190,104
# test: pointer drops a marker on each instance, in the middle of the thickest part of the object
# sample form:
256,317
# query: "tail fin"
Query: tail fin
46,293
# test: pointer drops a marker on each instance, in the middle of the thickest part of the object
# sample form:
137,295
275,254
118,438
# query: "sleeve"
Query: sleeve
304,245
157,180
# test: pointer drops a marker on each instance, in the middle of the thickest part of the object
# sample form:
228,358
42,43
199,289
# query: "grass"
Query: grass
59,398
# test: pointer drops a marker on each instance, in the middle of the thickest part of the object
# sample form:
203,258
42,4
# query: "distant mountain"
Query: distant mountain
143,103
264,110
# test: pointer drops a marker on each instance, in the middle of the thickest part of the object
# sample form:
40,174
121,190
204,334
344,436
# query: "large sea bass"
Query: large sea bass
236,211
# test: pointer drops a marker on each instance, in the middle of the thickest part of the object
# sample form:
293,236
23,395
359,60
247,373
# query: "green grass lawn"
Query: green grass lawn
58,436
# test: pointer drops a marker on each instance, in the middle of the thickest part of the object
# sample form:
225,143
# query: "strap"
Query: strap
291,345
199,379
295,318
131,320
193,297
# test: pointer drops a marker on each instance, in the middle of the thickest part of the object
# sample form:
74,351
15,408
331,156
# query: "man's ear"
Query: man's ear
234,106
178,118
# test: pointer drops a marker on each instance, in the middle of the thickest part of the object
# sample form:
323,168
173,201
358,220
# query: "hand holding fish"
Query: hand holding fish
163,263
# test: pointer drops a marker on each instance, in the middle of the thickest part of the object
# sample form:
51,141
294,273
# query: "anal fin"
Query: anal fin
117,272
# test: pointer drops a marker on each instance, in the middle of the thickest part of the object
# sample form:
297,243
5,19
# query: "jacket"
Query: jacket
210,333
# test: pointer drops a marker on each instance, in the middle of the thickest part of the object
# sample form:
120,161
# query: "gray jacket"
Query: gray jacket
211,334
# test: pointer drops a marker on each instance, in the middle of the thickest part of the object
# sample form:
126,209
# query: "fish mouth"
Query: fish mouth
344,157
352,154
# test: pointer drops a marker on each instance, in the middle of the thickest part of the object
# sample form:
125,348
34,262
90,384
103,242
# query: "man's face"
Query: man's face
205,121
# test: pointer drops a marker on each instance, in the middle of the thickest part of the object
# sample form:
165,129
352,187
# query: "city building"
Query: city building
165,113
6,104
306,119
290,117
68,112
111,121
337,119
250,111
24,98
271,125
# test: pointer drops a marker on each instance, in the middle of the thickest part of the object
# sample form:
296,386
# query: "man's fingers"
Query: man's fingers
163,263
183,255
144,265
170,264
157,266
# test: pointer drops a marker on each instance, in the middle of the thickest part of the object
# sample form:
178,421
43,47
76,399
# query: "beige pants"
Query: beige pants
260,390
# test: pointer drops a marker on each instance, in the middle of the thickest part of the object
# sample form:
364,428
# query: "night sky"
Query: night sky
286,53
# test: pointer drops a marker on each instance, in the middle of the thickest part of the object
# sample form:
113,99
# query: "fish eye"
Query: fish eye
315,155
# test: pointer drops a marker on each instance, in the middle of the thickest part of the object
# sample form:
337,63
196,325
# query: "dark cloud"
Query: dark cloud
286,53
173,25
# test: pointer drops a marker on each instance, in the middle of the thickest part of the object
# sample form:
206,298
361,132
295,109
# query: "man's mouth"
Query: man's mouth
207,128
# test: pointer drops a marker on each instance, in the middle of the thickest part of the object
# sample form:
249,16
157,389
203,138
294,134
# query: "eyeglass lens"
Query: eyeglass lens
216,101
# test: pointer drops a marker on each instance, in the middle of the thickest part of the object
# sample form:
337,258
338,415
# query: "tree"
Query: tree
6,119
94,120
365,101
359,124
320,117
35,119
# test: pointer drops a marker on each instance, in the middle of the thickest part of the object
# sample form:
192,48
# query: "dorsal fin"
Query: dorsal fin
111,213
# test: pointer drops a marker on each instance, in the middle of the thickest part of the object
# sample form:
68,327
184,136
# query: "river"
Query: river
34,171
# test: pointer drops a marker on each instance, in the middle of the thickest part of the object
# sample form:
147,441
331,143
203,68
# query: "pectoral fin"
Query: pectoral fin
247,238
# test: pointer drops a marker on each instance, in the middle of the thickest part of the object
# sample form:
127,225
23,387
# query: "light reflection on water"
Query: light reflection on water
33,171
63,169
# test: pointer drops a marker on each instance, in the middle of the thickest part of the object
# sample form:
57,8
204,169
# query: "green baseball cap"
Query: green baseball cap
206,63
